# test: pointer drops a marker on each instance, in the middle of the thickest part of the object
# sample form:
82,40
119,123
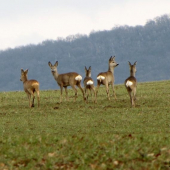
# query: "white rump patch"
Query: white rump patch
78,78
128,83
100,78
35,83
90,82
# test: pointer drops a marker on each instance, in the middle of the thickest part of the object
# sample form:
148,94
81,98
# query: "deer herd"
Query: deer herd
74,79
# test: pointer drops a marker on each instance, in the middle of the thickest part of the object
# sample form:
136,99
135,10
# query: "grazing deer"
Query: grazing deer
131,83
89,83
66,79
30,86
107,78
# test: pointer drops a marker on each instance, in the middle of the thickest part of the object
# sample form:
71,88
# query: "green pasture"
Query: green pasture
77,135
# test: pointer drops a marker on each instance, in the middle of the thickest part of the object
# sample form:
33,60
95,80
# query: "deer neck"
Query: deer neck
24,79
111,69
55,74
132,73
88,75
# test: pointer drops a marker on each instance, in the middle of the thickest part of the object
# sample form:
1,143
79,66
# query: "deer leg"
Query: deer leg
31,93
91,93
33,97
133,102
134,97
97,88
29,98
85,92
87,96
66,93
131,97
94,94
114,91
107,91
134,93
33,101
61,89
74,88
79,86
38,97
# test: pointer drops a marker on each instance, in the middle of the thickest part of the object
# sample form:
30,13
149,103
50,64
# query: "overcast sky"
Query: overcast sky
24,22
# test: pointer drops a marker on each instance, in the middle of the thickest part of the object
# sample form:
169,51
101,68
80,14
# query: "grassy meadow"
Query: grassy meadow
76,135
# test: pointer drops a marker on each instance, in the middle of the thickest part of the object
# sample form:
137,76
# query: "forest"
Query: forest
149,45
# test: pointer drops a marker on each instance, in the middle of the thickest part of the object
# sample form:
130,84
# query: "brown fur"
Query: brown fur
131,89
30,86
89,87
67,79
109,77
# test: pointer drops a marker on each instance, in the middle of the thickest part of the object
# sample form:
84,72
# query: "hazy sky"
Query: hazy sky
25,22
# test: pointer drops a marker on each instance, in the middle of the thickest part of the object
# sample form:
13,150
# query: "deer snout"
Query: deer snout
53,70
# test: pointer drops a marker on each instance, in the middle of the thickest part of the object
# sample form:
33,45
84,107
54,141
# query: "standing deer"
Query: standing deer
66,79
107,78
131,83
30,86
89,83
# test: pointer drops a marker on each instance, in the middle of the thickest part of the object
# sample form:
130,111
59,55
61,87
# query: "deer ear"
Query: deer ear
22,71
112,57
56,63
85,68
49,63
129,63
90,68
26,71
135,62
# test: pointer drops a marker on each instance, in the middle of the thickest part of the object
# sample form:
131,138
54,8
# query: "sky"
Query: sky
24,22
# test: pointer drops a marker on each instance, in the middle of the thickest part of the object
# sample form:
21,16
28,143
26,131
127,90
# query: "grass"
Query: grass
75,135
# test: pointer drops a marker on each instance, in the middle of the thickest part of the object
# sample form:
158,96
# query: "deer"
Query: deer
89,84
131,83
30,86
107,78
67,79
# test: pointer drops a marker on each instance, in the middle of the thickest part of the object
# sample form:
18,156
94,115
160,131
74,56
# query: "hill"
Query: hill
148,44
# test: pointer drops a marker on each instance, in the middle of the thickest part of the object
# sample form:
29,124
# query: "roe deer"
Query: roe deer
107,78
131,83
89,84
30,86
66,79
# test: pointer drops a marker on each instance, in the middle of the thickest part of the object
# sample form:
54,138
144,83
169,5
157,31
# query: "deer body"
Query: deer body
66,79
89,83
131,84
30,86
107,78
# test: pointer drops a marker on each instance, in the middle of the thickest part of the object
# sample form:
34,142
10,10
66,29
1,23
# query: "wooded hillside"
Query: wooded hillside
149,45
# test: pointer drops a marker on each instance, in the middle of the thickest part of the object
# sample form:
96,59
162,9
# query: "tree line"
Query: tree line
149,45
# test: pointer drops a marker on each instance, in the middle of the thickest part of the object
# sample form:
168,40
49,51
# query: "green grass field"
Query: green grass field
76,135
